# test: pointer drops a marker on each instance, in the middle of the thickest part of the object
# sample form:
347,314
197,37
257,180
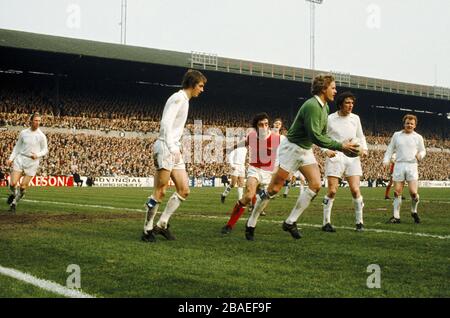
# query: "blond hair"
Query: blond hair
321,82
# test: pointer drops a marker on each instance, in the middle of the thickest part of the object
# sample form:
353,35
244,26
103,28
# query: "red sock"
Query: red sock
236,214
254,200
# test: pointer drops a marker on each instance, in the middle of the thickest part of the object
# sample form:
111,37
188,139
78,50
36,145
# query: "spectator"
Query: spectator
90,181
77,179
3,179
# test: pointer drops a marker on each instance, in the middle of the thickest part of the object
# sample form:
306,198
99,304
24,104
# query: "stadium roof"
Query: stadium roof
55,44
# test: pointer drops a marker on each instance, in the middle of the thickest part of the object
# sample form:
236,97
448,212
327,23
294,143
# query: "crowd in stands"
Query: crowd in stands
433,141
152,126
92,155
70,122
138,108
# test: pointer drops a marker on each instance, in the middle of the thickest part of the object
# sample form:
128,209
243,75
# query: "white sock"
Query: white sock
359,205
227,191
302,203
16,196
327,205
150,215
301,188
397,205
173,204
19,195
240,192
261,203
414,204
286,189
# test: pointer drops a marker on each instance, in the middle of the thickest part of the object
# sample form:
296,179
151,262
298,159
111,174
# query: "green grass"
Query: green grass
43,238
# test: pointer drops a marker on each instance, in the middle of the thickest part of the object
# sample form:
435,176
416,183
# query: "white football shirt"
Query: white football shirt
173,120
30,142
406,147
343,128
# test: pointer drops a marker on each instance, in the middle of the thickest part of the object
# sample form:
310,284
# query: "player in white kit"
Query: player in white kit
236,159
409,148
168,158
30,147
342,126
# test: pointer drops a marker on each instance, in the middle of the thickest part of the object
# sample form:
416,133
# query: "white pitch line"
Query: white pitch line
86,205
43,284
423,201
442,237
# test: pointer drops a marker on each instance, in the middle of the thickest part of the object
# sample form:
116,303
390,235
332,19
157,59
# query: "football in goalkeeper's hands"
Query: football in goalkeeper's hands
359,148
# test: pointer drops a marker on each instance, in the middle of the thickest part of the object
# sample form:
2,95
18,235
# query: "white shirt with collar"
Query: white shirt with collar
343,128
29,142
406,147
173,120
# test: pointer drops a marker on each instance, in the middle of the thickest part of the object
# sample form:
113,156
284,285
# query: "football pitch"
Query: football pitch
98,231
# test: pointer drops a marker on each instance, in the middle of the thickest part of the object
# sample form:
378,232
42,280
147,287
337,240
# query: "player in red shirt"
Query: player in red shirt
263,146
277,127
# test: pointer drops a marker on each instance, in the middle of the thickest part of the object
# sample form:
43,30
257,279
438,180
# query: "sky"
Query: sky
401,40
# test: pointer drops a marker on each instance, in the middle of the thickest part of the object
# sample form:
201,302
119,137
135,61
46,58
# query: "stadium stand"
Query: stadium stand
86,91
95,155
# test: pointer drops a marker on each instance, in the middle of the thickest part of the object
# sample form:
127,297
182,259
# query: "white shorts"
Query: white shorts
298,175
264,177
405,171
341,165
26,165
292,156
163,158
238,171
